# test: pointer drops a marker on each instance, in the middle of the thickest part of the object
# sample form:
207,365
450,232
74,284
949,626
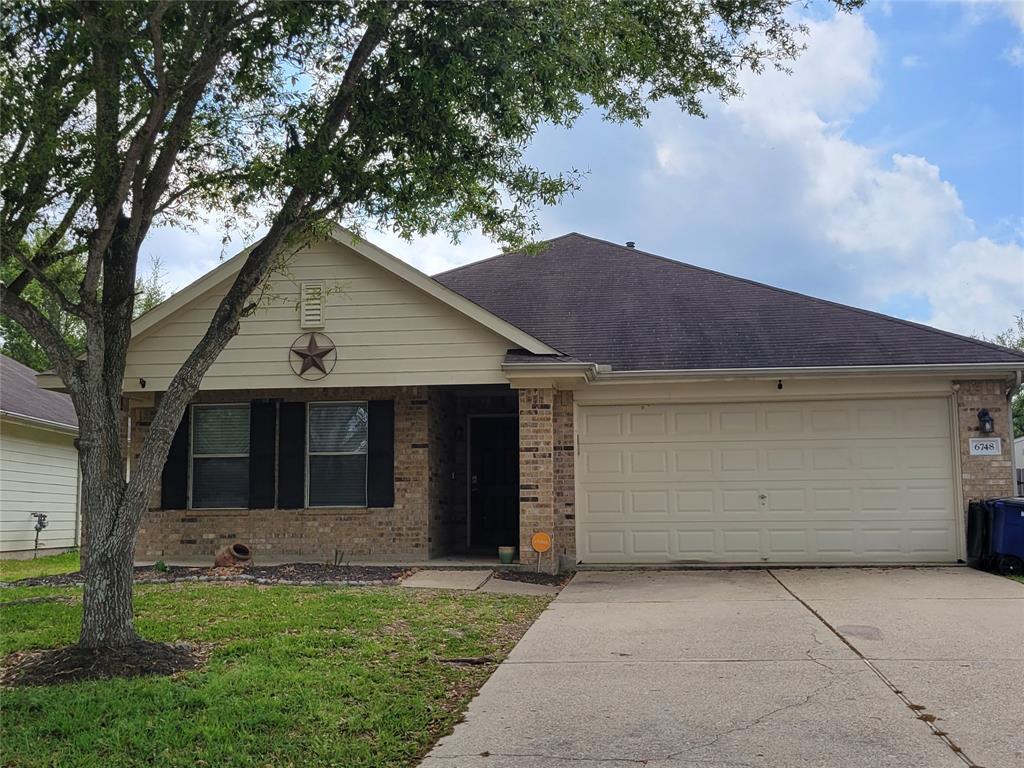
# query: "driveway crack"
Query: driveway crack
915,708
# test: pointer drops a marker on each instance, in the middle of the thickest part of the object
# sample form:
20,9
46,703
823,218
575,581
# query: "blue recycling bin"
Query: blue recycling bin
1007,536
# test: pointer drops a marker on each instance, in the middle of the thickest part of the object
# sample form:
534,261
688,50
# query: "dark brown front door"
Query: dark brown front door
494,482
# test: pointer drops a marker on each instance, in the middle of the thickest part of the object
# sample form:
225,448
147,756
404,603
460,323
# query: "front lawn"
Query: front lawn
48,565
296,676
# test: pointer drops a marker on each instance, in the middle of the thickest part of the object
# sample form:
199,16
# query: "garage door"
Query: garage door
832,481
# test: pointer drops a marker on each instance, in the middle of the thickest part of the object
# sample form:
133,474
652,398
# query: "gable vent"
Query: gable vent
311,304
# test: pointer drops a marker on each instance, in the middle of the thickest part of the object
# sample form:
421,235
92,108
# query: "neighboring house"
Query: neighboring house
637,409
38,464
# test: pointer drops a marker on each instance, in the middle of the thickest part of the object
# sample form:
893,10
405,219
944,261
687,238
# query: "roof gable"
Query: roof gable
390,325
378,256
609,304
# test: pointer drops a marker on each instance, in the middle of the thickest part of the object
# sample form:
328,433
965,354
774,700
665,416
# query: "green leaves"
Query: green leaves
441,115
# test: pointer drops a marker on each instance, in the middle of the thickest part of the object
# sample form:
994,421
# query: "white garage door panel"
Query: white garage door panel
868,481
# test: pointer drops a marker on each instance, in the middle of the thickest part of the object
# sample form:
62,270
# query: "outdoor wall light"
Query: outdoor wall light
985,421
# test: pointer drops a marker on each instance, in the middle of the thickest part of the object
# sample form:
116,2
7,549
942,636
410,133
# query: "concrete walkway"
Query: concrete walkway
858,668
474,581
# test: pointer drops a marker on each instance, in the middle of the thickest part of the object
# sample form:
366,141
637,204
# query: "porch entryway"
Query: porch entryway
493,451
480,500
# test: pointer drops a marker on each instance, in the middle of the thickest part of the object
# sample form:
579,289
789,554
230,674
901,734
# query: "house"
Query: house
635,408
38,464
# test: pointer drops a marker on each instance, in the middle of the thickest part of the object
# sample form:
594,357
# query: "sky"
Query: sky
886,172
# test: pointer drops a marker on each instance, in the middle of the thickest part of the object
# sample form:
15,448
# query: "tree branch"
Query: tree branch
287,223
44,333
47,253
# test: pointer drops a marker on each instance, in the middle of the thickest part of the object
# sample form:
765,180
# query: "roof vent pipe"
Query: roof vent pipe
630,244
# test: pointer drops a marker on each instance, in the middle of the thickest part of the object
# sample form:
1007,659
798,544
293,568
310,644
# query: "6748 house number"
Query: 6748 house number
986,446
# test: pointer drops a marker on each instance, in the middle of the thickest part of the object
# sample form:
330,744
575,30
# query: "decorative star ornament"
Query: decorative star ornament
314,355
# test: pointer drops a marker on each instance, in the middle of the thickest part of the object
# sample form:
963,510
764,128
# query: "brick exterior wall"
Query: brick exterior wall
442,434
402,531
564,478
536,473
984,476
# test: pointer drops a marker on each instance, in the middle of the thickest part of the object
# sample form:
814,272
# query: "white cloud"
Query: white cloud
912,61
792,199
436,253
980,11
1015,55
771,187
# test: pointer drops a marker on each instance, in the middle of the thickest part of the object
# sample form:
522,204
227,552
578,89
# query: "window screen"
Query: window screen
337,454
220,456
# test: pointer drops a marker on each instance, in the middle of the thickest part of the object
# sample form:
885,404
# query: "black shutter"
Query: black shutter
291,456
174,480
380,459
262,451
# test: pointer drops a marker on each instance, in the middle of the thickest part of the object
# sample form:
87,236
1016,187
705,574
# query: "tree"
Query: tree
1013,337
15,341
409,115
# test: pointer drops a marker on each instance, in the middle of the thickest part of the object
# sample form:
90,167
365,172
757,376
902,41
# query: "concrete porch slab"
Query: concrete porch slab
440,579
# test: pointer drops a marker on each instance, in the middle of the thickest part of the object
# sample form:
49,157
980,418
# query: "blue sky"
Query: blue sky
886,172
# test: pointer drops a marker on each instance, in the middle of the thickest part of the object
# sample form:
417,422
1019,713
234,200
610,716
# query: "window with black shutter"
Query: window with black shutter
220,456
336,449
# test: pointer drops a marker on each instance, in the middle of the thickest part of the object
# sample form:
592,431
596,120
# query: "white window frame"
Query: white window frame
366,472
191,452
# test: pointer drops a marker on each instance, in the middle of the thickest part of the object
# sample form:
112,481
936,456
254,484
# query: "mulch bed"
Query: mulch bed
302,574
533,577
74,664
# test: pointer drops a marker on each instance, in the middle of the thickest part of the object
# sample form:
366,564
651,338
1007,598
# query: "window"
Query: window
220,456
336,455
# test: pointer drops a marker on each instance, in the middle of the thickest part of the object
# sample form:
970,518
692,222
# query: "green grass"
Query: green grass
50,565
296,677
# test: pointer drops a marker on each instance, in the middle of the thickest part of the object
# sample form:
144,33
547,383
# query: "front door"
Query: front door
493,482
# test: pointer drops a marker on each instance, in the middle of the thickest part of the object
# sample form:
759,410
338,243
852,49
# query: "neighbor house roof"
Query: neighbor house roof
611,305
23,399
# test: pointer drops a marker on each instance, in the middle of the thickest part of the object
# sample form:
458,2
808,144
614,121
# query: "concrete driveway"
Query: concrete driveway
772,668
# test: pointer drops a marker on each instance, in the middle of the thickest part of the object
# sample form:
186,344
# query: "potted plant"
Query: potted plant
506,555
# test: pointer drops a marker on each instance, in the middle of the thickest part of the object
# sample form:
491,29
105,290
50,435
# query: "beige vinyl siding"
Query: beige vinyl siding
38,473
387,331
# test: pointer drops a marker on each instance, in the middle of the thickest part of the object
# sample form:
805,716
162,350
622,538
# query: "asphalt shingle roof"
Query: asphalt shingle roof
609,304
21,396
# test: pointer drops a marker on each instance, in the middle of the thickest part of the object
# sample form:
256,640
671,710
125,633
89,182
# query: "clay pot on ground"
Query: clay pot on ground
232,555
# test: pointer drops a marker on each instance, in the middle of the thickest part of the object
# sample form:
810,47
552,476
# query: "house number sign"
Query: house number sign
986,446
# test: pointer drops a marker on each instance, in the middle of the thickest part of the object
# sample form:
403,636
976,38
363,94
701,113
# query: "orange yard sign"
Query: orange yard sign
541,542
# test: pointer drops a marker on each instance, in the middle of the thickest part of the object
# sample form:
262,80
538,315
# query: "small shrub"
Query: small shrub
161,566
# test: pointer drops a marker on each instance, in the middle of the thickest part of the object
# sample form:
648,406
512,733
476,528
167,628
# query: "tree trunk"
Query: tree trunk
107,611
107,558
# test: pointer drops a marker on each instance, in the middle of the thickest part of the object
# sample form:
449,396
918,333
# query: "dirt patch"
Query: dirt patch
304,574
74,664
533,577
